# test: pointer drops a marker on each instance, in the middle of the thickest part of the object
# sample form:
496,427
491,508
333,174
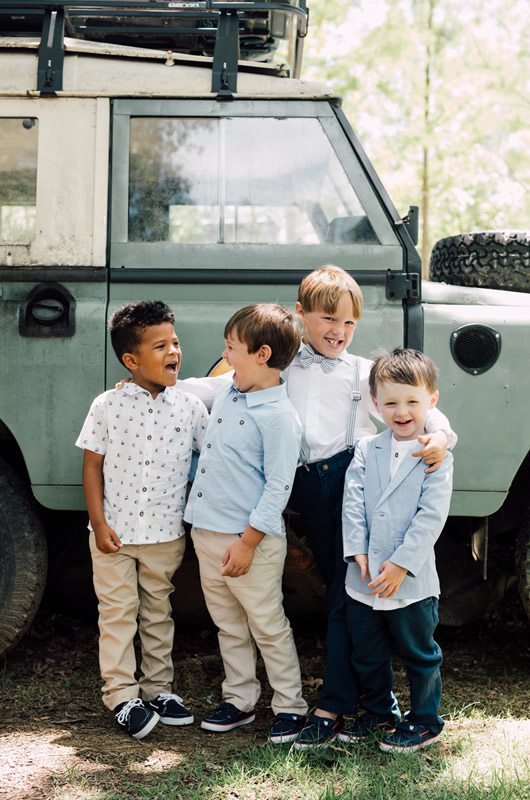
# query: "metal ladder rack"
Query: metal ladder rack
217,27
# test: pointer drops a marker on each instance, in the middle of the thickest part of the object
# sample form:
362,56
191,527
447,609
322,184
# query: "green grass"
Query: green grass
340,773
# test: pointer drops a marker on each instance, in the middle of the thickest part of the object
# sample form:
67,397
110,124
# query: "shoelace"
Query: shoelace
126,710
169,696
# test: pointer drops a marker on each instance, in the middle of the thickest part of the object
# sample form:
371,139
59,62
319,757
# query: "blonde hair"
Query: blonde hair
406,366
322,289
267,323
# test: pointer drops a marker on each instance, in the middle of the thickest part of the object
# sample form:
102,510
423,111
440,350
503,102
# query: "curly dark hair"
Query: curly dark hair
127,323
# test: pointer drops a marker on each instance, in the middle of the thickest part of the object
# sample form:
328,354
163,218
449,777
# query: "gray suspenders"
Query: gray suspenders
352,413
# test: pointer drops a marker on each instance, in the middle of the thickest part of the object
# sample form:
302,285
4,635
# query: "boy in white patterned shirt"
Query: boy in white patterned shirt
137,446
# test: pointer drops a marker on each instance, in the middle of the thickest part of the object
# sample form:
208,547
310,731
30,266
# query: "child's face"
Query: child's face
247,366
156,362
404,408
329,334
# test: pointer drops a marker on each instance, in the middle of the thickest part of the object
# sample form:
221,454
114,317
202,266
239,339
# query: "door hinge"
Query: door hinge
403,285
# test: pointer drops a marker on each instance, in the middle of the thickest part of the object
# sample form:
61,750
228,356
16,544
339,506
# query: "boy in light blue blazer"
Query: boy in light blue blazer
393,513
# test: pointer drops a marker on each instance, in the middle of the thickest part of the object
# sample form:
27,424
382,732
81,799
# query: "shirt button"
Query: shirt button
234,399
203,470
325,467
199,494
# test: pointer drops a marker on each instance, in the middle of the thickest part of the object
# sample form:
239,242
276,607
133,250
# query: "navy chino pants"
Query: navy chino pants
317,498
407,632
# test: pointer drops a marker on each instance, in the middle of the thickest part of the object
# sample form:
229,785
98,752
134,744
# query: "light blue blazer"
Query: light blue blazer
396,520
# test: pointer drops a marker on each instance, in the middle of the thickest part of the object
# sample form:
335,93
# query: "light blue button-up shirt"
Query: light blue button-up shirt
247,463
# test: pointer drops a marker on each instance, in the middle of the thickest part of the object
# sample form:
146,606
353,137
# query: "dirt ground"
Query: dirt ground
52,722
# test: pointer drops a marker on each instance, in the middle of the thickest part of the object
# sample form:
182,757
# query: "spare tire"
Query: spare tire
487,259
23,558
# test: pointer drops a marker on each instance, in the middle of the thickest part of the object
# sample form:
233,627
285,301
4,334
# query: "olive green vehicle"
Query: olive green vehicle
170,150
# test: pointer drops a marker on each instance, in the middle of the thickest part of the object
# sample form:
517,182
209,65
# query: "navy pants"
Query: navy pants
317,497
407,632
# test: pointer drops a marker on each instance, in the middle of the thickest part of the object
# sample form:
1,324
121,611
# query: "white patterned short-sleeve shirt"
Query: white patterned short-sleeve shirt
147,444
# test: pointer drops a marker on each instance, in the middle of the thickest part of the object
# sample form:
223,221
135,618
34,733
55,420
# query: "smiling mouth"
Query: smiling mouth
333,342
172,367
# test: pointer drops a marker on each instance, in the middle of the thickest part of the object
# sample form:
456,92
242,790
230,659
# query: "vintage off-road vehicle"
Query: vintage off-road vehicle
157,150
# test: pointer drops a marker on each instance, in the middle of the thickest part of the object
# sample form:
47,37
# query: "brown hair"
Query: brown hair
404,365
267,323
322,289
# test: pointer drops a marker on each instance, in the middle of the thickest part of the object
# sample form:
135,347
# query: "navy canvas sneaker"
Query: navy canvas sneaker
171,709
135,718
286,727
407,738
227,717
365,727
318,732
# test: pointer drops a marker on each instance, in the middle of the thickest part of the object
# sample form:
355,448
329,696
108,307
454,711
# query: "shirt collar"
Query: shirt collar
169,395
271,395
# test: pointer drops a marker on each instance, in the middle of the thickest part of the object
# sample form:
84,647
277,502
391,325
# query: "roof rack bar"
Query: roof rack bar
51,52
226,56
230,18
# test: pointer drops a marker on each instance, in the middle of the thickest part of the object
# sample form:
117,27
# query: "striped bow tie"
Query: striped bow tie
308,356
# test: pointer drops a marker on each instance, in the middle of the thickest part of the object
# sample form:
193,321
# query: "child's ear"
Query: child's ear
264,354
299,310
434,398
129,360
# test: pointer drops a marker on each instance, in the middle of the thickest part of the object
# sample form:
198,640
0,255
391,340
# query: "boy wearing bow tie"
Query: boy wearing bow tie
329,388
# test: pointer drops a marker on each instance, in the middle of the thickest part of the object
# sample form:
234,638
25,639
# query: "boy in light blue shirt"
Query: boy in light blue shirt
242,485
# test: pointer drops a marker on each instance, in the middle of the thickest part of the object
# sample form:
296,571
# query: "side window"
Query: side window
18,179
238,180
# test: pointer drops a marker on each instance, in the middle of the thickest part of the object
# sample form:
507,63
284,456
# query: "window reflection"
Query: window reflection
18,179
239,181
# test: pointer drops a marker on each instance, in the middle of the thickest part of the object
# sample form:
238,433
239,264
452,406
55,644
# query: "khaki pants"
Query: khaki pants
133,588
246,607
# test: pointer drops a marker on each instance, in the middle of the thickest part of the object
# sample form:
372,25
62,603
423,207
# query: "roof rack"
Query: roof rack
226,30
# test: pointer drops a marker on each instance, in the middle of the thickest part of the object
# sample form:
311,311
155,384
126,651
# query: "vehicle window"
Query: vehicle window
239,181
18,179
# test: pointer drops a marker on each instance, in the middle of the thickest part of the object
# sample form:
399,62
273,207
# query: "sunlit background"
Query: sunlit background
438,91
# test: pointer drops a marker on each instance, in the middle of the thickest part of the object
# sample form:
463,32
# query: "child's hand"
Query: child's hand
434,450
362,561
107,540
237,559
389,579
